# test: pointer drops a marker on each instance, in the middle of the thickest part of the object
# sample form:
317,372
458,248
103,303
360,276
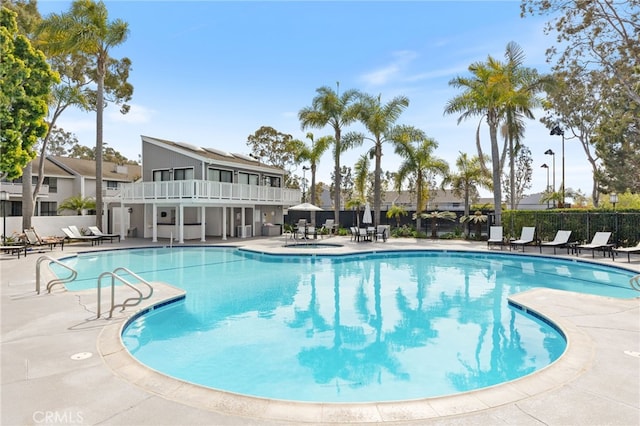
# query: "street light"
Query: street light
613,197
553,154
304,184
4,197
557,131
544,166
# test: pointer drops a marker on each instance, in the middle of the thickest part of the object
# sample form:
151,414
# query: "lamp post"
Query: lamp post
613,197
544,166
304,183
553,154
557,131
4,197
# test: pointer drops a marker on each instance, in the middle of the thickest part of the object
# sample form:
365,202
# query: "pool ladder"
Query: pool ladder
131,301
56,281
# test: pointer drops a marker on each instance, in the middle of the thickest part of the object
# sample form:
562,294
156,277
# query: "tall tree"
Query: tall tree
330,108
26,83
595,34
359,198
418,164
272,147
465,182
86,29
522,177
312,154
380,120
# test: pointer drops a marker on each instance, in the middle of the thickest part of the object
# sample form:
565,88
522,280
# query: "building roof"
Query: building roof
87,168
212,153
50,169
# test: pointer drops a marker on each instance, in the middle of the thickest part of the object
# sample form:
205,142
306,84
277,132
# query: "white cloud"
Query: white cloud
401,59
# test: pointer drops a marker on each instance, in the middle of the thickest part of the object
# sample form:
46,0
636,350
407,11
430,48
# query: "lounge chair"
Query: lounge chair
381,232
628,250
560,240
96,231
71,236
527,236
355,235
16,248
600,241
327,227
495,237
33,240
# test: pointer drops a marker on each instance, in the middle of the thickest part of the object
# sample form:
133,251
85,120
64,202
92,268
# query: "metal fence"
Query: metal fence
624,226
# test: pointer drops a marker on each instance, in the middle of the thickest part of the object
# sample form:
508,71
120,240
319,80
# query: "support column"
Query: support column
122,232
202,224
181,224
242,219
154,223
224,223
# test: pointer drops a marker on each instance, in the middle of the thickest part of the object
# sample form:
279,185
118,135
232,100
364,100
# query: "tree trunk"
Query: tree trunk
27,200
337,178
376,186
99,114
495,163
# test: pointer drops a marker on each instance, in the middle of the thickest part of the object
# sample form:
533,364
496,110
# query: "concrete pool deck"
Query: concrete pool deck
62,366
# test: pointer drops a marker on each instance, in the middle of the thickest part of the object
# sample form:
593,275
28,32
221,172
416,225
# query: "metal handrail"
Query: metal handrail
54,281
114,276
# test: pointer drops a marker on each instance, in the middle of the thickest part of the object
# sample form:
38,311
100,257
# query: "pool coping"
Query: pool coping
575,360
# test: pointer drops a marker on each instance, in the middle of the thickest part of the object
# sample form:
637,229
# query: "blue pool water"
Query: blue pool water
369,327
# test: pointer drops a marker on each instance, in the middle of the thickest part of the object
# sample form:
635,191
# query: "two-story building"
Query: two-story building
190,192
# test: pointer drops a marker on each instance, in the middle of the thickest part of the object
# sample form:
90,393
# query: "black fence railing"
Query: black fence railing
624,226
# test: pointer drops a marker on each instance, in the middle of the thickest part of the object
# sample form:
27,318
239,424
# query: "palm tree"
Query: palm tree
312,154
435,216
86,28
466,181
329,108
78,204
379,121
478,219
396,211
361,170
418,163
494,89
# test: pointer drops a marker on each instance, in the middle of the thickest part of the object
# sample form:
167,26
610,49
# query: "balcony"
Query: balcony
202,190
16,188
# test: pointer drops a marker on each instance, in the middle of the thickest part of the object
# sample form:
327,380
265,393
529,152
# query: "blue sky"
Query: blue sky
211,73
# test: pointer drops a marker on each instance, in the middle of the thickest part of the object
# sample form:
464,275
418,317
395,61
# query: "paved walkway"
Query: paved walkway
62,366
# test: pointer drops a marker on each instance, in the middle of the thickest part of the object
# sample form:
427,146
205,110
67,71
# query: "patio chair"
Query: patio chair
355,235
495,237
96,231
527,236
327,227
381,232
71,236
560,240
628,250
33,240
600,241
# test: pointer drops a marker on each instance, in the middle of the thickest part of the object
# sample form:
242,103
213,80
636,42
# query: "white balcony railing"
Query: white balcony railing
16,188
206,190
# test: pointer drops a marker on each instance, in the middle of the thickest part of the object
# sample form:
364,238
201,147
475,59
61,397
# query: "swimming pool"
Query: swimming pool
365,327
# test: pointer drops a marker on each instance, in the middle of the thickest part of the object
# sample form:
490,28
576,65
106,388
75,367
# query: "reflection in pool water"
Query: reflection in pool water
385,326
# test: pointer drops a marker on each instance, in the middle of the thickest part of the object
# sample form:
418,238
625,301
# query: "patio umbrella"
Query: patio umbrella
366,216
306,207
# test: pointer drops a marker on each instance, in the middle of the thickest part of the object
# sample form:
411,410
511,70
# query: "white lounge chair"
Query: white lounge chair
76,236
600,241
495,237
527,236
96,231
628,250
560,240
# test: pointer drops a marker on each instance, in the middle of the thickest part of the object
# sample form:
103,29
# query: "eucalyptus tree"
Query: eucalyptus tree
86,30
380,120
330,108
418,164
465,182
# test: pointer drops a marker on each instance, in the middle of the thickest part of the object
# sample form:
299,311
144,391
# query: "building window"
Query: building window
248,179
161,175
112,184
217,175
272,181
48,208
182,174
